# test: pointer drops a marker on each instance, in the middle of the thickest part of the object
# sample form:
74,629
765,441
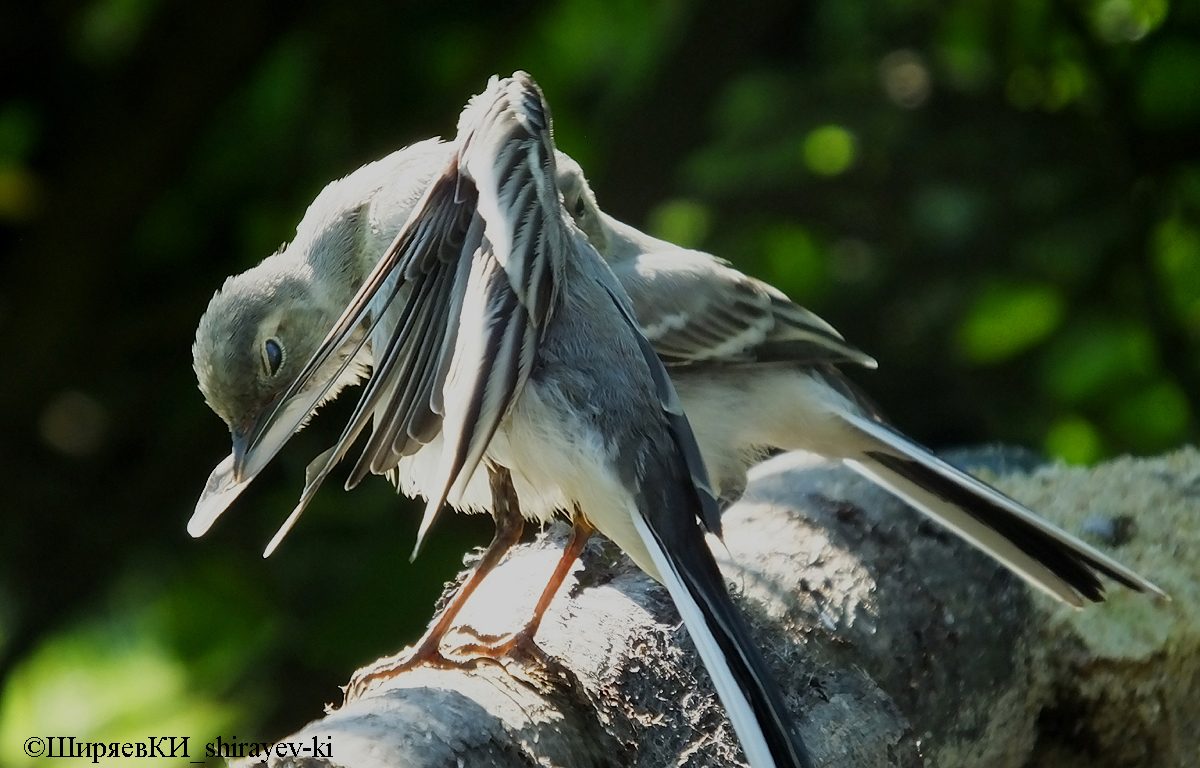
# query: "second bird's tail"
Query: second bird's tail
1044,555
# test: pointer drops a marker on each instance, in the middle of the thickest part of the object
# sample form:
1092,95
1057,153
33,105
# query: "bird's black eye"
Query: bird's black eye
580,208
274,356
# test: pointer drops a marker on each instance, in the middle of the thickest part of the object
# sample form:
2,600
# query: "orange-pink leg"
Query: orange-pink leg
509,525
497,646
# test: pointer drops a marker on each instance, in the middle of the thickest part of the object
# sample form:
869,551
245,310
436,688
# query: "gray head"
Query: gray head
257,334
580,201
264,325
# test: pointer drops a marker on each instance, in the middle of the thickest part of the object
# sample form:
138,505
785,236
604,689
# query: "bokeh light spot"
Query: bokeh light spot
1120,21
828,150
20,195
905,79
683,222
74,424
795,261
109,29
1007,320
1074,440
1153,418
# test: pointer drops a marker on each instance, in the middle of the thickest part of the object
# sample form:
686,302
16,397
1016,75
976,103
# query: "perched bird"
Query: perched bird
502,344
756,372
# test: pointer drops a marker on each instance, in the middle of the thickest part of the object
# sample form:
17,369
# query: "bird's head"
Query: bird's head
256,336
579,201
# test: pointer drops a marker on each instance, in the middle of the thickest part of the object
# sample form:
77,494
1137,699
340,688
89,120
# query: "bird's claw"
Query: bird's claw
519,646
375,674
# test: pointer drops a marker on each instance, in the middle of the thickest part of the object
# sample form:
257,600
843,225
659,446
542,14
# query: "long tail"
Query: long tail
1044,555
746,687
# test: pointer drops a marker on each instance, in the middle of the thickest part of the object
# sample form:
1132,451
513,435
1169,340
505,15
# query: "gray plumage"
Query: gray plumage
754,371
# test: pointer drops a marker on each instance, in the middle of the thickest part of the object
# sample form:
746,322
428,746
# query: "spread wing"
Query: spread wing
453,350
403,303
507,156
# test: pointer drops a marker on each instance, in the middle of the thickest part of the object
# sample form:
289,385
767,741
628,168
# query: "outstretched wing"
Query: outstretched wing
506,157
403,303
476,257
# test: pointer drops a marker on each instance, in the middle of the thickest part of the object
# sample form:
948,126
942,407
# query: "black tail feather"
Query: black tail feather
1071,565
691,563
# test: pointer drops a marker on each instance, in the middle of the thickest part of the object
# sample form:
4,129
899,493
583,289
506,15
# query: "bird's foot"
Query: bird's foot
518,646
375,674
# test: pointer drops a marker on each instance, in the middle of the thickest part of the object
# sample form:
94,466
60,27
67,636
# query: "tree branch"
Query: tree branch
895,643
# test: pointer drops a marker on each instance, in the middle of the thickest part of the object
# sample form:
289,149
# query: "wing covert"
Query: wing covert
694,308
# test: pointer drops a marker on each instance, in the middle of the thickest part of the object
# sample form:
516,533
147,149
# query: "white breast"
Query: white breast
558,465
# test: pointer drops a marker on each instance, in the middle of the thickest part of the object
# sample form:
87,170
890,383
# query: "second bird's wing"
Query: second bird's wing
696,309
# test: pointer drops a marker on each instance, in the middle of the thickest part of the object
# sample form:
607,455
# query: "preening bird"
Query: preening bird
263,325
502,344
754,371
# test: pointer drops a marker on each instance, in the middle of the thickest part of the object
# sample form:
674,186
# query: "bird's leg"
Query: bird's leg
509,525
497,646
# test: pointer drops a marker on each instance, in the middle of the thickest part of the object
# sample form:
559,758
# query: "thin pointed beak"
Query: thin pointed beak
257,439
253,447
219,492
231,476
255,443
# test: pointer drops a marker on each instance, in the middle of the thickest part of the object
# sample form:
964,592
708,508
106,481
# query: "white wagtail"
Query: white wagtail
495,326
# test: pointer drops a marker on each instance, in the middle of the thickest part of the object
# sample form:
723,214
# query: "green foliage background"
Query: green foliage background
999,200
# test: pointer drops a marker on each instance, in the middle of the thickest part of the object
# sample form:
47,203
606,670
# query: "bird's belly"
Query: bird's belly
559,464
556,462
